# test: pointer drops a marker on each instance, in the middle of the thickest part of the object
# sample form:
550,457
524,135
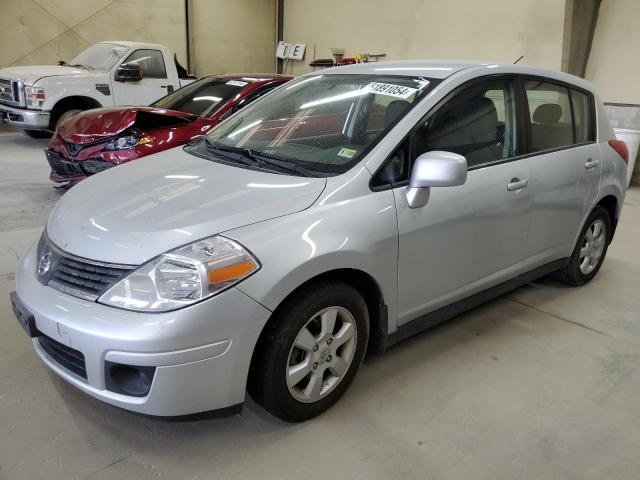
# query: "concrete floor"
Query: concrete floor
541,384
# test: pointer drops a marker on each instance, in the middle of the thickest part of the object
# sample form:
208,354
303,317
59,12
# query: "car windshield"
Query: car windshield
101,56
320,123
202,97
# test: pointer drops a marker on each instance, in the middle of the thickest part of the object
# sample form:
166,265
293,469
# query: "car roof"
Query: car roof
252,77
425,68
441,69
124,43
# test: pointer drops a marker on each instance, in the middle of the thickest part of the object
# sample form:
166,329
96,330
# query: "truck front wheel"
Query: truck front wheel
65,116
38,133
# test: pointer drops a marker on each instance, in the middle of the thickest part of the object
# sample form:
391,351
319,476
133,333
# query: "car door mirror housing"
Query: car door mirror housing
128,73
434,169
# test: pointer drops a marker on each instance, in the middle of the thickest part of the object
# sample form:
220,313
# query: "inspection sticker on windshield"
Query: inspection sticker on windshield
390,89
236,83
347,152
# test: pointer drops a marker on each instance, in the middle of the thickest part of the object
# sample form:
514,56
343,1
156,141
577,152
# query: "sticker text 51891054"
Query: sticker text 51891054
390,90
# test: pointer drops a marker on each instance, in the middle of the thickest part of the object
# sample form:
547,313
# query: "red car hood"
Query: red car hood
94,125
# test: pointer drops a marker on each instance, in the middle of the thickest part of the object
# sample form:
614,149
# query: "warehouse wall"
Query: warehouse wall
497,30
613,64
228,36
234,36
44,31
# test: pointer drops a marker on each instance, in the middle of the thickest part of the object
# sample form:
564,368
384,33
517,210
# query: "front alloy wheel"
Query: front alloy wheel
321,354
310,351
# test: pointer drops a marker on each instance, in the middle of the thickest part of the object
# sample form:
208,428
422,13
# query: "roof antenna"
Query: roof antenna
519,58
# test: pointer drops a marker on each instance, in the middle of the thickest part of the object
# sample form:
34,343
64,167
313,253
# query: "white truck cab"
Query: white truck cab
112,73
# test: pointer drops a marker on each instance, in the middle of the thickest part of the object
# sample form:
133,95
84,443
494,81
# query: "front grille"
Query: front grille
9,92
73,275
67,357
76,276
95,165
62,167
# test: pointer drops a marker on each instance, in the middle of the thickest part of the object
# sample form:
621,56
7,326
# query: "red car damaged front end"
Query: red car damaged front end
96,140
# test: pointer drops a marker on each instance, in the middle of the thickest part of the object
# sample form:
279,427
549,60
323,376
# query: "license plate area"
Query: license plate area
25,318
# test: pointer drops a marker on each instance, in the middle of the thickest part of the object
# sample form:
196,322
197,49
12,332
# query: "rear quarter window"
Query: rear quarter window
583,111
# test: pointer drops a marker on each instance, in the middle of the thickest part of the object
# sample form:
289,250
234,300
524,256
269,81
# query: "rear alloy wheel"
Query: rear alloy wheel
592,247
590,250
310,351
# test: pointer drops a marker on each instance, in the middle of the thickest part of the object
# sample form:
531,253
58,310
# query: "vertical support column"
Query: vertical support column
191,56
579,26
279,31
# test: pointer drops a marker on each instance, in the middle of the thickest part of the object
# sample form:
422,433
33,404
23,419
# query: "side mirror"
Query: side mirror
128,72
434,169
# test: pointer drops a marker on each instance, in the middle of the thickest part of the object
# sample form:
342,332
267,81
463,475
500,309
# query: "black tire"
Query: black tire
572,274
267,378
38,133
64,116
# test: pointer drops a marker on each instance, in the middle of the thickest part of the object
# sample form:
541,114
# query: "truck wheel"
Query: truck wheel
310,352
64,116
38,133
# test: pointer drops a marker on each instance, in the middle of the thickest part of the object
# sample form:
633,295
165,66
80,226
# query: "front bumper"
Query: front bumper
201,353
24,119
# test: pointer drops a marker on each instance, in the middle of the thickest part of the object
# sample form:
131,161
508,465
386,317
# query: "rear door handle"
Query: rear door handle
517,184
589,164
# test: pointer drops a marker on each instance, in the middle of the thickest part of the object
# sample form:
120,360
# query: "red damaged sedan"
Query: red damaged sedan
95,140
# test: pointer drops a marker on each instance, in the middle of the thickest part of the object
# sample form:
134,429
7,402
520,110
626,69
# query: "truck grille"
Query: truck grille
67,357
9,92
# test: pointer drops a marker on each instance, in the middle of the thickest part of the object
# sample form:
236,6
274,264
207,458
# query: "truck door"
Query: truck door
154,79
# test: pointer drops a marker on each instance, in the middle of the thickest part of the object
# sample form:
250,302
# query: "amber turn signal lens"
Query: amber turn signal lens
231,272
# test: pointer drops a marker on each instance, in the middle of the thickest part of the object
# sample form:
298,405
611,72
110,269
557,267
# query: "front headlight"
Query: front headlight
34,97
124,142
183,276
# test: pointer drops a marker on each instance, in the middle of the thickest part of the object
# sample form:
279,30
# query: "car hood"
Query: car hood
94,125
31,74
134,212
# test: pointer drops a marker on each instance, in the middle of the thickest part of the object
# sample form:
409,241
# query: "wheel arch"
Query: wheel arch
366,285
610,204
80,102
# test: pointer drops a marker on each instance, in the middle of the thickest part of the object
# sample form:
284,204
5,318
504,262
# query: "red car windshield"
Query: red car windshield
203,97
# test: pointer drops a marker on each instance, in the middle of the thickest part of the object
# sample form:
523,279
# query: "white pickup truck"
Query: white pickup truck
38,98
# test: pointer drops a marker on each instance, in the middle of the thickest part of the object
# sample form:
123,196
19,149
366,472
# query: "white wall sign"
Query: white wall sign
293,51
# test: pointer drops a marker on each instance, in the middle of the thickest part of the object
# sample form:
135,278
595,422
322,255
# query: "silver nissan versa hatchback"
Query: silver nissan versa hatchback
338,214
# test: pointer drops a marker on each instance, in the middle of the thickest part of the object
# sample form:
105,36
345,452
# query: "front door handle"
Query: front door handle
517,184
589,164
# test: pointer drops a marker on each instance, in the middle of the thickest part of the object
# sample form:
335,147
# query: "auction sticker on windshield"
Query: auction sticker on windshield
391,90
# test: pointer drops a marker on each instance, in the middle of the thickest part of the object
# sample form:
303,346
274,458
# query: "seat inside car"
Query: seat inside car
546,129
394,109
469,127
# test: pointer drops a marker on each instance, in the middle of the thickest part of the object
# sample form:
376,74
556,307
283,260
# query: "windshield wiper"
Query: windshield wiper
259,159
228,153
77,65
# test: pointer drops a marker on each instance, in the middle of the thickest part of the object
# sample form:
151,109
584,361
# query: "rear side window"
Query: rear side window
583,116
150,61
550,115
